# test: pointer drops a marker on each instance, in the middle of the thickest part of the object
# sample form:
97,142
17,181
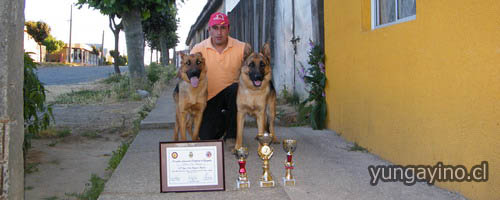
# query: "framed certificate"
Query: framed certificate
192,166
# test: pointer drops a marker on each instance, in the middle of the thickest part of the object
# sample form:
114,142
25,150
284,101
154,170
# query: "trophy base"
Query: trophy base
242,184
267,184
288,182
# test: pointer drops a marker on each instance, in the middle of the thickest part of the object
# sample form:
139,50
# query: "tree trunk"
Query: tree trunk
164,51
168,56
135,49
40,45
115,57
151,59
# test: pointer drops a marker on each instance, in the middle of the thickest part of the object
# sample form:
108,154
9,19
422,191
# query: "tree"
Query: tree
53,44
116,28
118,60
160,29
132,13
95,50
39,31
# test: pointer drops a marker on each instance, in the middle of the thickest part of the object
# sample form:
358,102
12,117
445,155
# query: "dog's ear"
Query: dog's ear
182,55
199,54
266,51
247,51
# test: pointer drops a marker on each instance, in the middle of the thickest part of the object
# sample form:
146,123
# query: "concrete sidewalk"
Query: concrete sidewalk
325,168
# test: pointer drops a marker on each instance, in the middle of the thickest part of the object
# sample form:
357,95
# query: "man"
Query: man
223,57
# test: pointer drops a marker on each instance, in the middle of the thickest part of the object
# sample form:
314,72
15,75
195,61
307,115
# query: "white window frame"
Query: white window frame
376,18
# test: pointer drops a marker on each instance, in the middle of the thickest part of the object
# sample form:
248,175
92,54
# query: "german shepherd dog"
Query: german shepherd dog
190,95
256,94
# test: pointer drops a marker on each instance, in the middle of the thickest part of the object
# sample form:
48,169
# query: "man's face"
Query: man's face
219,34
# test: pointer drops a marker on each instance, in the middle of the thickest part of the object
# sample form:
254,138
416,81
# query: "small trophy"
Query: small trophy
242,181
289,146
265,153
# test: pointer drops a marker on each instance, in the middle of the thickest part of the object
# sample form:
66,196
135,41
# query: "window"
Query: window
388,12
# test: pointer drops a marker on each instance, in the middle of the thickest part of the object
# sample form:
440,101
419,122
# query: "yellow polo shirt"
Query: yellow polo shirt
223,69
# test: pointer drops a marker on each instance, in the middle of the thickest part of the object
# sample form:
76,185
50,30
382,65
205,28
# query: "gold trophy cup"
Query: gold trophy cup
289,146
265,153
242,181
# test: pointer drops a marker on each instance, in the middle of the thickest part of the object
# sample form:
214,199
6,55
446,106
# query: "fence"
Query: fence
252,22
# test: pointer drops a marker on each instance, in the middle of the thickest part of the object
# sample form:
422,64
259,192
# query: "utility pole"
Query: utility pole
102,49
70,27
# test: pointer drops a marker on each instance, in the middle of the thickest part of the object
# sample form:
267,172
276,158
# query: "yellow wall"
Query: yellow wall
422,91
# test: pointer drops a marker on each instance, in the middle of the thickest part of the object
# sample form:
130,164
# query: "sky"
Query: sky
89,24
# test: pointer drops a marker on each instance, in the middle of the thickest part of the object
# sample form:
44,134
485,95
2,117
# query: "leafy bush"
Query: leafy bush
53,44
37,115
315,79
153,72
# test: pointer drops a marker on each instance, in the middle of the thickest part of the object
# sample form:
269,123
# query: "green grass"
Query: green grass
91,135
53,143
52,132
117,156
356,147
287,97
83,97
92,192
31,168
113,78
51,198
55,162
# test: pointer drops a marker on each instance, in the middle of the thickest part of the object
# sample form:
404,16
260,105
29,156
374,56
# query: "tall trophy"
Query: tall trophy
289,146
242,181
265,153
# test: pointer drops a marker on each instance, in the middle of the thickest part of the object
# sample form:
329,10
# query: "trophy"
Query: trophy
289,146
242,181
265,153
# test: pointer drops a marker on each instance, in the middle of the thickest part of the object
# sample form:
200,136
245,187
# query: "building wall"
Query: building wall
422,91
33,48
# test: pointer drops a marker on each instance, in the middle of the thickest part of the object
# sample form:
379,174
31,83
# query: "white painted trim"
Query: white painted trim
375,18
374,13
406,19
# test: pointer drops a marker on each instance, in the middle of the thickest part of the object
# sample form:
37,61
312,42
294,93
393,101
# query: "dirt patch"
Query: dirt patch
63,165
55,90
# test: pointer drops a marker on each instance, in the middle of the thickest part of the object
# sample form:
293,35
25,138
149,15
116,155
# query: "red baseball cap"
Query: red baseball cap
218,18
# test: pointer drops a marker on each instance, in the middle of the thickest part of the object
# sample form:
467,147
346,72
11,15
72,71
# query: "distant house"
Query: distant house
287,25
33,48
80,54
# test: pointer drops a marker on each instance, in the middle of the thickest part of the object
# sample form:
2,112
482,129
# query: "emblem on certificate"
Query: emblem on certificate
191,166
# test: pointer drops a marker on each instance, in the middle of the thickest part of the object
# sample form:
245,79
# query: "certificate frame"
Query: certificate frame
218,145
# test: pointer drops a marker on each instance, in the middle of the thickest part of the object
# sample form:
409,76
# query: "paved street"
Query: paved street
72,75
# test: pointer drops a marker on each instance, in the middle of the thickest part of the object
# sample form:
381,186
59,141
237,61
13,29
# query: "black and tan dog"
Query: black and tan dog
256,94
190,95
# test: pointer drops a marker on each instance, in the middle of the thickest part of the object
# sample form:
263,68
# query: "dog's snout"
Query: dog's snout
193,72
258,76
